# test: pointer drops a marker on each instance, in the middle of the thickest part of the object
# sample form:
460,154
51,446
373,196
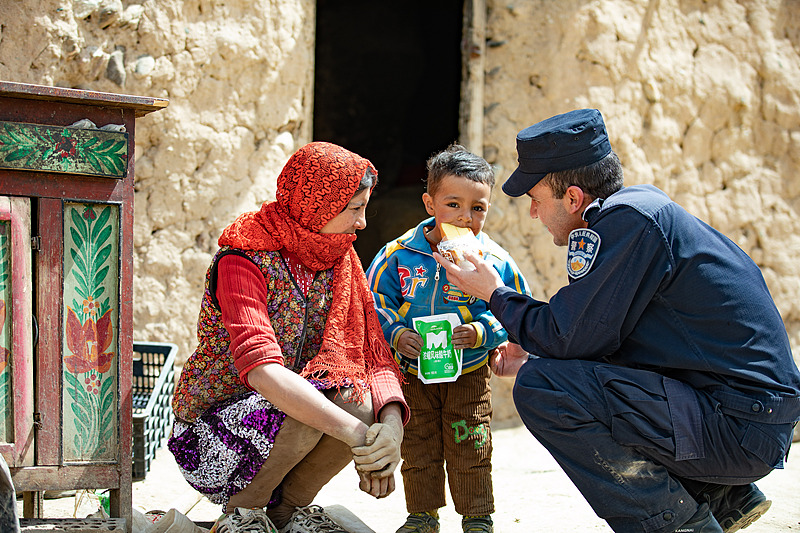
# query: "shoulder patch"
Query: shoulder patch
581,251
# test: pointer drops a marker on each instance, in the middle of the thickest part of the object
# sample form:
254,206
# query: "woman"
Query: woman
292,377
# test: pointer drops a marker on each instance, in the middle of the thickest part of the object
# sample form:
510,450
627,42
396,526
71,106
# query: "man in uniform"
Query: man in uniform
661,380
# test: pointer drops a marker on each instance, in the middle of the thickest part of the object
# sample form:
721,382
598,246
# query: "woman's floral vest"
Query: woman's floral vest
209,376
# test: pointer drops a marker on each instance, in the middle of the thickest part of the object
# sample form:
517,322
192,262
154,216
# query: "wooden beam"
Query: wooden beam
473,62
41,478
140,104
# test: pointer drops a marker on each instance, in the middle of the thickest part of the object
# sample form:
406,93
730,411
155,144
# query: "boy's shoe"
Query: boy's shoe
736,506
244,521
477,524
311,519
420,523
701,522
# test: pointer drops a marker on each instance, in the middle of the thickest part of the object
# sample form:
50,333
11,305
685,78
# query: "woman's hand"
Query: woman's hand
464,336
382,447
409,344
380,454
377,487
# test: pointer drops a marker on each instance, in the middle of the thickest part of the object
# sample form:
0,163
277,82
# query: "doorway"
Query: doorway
388,86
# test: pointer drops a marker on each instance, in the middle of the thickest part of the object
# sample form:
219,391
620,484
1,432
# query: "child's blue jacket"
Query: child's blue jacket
407,282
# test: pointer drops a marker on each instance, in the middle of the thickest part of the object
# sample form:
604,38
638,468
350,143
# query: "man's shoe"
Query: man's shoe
420,523
736,506
477,524
701,522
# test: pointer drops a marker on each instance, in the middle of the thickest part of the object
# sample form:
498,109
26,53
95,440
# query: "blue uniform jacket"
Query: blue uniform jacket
667,293
407,282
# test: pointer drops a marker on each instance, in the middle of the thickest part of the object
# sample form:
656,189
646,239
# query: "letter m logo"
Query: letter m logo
436,340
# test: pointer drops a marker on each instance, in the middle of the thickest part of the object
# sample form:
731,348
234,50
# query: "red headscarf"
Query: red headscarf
316,184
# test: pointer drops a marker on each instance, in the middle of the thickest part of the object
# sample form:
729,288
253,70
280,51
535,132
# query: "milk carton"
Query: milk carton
439,362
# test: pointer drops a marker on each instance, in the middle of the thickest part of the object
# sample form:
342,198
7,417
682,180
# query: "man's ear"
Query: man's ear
576,198
427,199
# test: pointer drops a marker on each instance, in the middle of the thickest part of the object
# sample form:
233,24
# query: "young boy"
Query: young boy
449,426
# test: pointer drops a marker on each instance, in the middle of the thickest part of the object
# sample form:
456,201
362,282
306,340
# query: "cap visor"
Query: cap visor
518,183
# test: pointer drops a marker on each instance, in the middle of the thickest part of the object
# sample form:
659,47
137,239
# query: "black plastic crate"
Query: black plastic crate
153,385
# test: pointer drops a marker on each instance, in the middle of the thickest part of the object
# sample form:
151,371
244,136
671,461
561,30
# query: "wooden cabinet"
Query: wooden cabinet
66,228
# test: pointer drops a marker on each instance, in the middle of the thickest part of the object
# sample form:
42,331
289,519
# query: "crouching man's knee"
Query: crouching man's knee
537,391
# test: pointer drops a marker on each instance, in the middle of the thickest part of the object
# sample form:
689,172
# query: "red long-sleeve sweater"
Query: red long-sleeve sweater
242,296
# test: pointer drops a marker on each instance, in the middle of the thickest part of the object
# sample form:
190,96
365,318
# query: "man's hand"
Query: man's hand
480,282
506,360
409,344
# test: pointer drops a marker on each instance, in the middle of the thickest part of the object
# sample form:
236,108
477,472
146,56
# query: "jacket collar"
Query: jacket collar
416,241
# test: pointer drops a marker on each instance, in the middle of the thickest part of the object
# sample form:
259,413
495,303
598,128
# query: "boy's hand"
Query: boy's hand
409,344
465,336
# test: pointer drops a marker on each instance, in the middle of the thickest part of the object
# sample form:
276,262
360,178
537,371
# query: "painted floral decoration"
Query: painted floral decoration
89,343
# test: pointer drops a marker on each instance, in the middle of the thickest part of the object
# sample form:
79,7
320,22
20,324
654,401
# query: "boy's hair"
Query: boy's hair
599,180
456,160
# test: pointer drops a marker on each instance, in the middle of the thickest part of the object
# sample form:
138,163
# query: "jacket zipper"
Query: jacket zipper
435,276
435,288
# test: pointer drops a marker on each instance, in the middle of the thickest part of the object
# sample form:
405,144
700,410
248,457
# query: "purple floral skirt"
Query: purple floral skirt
222,451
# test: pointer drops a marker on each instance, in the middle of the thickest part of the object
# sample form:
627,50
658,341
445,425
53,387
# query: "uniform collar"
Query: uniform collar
592,210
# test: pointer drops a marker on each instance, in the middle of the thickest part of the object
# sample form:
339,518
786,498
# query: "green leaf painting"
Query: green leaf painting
86,151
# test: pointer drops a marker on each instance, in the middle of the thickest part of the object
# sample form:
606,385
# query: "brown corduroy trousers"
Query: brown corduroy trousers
449,429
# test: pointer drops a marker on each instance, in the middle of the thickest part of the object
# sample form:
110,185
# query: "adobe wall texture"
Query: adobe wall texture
701,98
239,78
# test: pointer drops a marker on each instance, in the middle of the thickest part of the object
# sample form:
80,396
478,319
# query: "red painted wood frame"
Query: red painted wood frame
21,450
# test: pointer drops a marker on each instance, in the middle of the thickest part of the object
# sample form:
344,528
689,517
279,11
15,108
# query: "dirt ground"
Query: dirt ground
531,494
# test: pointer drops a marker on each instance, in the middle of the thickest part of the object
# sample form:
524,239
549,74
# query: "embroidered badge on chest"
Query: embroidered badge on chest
581,251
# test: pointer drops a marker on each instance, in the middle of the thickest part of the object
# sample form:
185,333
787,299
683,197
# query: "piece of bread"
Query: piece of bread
455,241
451,232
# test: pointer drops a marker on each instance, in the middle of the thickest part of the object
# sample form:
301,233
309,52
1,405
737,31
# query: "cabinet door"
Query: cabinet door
90,309
16,344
